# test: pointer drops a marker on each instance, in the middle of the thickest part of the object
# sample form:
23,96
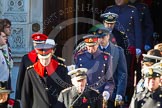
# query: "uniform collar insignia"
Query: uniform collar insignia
51,68
90,40
150,71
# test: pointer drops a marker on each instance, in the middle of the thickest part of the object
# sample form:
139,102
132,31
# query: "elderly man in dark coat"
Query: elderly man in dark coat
79,95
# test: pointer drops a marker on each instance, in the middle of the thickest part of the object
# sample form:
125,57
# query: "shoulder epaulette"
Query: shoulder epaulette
61,64
122,32
106,53
95,90
132,6
110,6
116,45
31,66
80,53
66,89
60,58
144,4
119,47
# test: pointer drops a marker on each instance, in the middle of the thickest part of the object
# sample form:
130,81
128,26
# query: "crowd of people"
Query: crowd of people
115,65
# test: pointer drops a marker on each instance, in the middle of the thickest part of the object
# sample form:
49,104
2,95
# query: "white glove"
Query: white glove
138,51
106,95
118,101
119,98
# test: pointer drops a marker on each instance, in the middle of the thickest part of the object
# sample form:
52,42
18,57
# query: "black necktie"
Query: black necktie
103,49
92,57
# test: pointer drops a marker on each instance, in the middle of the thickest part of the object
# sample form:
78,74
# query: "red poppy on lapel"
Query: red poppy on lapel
105,57
84,100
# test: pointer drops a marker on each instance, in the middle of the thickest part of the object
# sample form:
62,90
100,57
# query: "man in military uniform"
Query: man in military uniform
147,30
118,62
146,23
79,95
27,60
109,20
43,80
153,56
151,96
128,21
99,65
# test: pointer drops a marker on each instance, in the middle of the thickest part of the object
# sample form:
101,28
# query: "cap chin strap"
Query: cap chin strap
44,56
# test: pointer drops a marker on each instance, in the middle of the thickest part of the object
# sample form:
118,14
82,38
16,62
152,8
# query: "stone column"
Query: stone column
26,18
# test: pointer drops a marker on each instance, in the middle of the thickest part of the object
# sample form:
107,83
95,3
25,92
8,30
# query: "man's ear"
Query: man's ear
53,51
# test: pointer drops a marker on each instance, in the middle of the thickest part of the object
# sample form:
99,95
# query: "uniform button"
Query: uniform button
99,77
141,104
46,88
158,104
102,71
81,65
131,17
160,95
143,95
87,83
127,29
80,58
96,83
104,64
129,23
132,11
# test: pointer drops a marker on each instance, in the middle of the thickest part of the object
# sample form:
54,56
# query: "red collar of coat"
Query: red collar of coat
50,68
32,55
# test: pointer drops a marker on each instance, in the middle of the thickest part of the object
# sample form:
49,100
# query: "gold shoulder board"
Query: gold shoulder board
31,66
60,58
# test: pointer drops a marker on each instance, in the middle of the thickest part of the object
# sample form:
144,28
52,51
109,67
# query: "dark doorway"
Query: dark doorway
60,17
